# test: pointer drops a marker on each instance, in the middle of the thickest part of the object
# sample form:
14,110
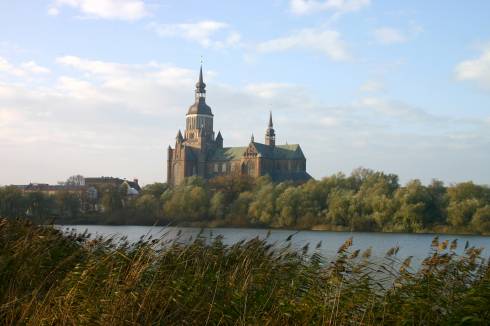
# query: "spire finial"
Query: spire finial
270,119
252,138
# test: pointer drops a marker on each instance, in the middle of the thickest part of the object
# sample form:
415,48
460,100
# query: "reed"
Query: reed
48,278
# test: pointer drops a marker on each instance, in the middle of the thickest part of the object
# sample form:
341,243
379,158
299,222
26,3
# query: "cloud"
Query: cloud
327,42
329,121
129,10
94,67
34,68
24,69
303,7
372,86
9,117
205,33
389,35
7,67
268,90
395,109
476,70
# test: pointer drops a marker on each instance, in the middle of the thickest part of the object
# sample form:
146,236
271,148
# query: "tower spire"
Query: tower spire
200,85
270,134
201,81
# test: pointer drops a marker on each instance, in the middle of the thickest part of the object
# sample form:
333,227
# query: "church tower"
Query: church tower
199,119
270,134
193,147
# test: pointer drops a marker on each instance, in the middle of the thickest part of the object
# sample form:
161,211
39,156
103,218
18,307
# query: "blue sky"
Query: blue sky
100,87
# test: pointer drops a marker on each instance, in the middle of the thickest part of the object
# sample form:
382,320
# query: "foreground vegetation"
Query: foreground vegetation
48,278
364,201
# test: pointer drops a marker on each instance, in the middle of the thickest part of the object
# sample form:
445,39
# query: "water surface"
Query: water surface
416,245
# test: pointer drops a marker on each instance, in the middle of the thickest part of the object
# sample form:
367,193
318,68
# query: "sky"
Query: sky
101,87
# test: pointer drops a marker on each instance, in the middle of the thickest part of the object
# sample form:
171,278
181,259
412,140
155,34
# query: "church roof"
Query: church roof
200,107
278,152
228,153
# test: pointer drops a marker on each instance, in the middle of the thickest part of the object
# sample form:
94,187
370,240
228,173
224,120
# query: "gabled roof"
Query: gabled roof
278,152
228,154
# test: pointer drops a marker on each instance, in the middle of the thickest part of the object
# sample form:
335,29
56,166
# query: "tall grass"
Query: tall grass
48,278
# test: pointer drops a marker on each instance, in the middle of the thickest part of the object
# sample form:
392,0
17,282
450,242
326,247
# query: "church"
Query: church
199,152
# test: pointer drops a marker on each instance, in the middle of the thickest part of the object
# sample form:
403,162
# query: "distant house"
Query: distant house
89,189
51,189
133,187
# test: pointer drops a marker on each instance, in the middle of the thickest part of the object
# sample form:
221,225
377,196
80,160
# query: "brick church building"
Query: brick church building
200,152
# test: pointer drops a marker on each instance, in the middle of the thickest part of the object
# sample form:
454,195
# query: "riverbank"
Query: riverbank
51,278
94,220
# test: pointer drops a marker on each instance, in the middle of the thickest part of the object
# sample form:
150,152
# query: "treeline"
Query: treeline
364,201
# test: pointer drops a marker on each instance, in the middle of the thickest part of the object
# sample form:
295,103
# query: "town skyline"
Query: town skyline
99,90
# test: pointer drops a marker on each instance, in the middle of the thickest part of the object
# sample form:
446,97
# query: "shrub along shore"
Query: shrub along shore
48,278
364,201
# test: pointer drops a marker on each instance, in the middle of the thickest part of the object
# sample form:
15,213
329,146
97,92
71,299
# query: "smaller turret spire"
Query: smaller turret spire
270,134
219,140
179,137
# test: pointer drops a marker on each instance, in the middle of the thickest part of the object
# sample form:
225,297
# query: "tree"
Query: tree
239,209
75,180
466,190
460,213
217,206
339,206
147,206
12,203
68,204
481,220
288,205
189,201
439,202
414,201
39,205
112,198
262,208
155,189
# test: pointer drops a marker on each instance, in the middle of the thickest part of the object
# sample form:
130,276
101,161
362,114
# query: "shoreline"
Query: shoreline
313,229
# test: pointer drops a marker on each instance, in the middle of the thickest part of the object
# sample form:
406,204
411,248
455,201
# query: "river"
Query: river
416,245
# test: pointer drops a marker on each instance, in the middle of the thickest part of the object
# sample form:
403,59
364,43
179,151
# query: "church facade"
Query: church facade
199,152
